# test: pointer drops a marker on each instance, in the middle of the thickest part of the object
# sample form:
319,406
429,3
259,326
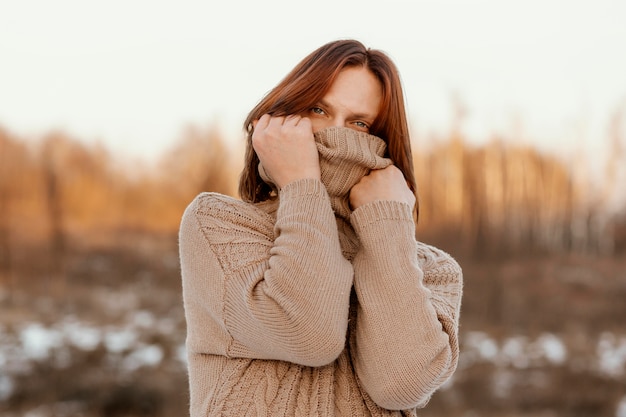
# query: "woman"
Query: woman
312,296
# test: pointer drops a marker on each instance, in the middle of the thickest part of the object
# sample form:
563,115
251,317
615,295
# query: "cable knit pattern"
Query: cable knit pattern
300,307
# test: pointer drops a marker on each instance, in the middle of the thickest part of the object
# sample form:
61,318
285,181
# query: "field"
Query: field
91,319
540,337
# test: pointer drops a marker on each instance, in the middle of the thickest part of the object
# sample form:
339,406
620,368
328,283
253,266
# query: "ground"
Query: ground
105,337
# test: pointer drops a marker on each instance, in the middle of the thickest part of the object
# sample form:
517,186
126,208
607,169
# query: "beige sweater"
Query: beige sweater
299,307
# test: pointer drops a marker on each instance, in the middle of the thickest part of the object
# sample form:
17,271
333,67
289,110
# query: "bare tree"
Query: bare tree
51,160
9,157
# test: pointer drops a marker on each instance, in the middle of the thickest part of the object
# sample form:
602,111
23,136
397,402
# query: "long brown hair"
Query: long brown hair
307,84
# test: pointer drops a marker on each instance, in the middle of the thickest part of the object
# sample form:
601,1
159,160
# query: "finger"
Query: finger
293,119
276,120
304,121
262,122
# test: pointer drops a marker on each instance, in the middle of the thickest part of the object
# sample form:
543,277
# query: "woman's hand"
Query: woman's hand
382,184
286,148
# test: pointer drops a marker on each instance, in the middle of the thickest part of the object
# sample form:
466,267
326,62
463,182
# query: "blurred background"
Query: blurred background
114,115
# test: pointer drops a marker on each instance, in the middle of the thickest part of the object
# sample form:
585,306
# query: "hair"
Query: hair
307,84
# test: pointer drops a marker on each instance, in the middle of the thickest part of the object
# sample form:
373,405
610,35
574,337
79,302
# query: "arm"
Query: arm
282,298
407,318
406,332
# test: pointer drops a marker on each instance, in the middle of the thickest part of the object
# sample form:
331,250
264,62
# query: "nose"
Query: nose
319,124
339,122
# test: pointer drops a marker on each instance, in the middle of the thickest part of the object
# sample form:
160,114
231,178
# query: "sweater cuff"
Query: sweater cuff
380,210
303,187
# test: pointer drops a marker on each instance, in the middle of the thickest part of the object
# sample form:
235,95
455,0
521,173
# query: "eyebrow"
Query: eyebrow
353,115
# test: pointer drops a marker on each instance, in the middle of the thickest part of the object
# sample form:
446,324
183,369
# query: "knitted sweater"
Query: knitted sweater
298,306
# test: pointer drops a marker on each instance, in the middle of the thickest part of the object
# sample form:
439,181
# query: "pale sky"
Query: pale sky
134,73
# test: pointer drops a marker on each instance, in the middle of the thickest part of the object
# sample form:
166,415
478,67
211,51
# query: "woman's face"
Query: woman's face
353,101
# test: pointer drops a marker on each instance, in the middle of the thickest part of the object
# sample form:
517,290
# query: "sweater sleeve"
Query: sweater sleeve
284,296
406,343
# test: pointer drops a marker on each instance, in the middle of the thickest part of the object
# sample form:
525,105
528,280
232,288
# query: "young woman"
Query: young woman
312,296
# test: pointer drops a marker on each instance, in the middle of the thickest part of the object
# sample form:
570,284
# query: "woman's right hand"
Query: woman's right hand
286,148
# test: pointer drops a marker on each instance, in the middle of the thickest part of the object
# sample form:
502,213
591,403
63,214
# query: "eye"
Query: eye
317,110
362,125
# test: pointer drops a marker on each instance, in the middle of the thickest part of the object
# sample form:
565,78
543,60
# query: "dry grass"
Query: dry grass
84,239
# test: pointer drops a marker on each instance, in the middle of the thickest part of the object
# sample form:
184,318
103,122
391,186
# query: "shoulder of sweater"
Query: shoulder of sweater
437,264
223,213
210,200
216,203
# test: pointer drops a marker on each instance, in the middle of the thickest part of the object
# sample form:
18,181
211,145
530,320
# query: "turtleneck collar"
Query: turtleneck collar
345,157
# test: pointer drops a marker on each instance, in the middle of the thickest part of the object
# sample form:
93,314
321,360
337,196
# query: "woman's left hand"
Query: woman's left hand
382,184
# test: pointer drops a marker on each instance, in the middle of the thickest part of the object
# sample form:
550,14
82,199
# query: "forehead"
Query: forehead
356,90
